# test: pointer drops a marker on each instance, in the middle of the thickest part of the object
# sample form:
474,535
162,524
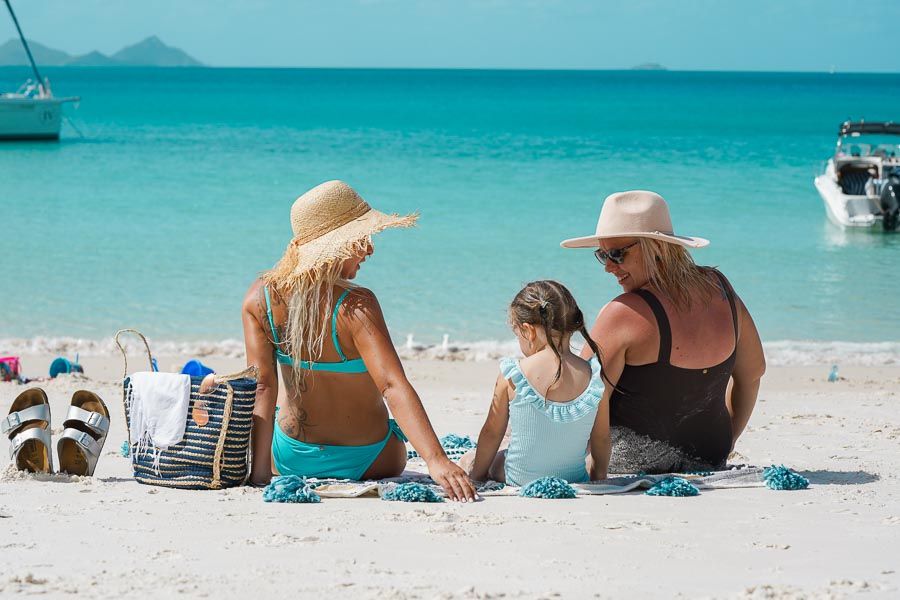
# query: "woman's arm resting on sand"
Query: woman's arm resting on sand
611,327
749,367
371,337
492,431
260,353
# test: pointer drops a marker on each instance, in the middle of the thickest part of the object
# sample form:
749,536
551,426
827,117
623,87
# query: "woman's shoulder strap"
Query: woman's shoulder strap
728,291
334,331
269,314
662,322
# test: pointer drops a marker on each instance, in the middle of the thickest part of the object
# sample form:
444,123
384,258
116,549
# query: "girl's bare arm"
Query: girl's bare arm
493,430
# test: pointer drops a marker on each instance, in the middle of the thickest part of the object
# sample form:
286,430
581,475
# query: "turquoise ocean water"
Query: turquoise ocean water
177,192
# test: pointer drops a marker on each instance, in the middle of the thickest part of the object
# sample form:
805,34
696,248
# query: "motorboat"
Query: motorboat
860,185
32,112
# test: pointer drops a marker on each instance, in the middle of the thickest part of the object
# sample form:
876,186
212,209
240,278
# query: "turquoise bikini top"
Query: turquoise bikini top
345,366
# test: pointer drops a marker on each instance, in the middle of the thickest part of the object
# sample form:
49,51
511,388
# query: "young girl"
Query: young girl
551,398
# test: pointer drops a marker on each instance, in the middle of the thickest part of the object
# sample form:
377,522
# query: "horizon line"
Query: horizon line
523,69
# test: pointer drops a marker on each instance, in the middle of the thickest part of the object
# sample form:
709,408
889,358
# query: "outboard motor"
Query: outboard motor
890,203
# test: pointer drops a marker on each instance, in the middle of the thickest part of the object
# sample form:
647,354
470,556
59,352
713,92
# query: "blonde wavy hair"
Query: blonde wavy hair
309,296
672,270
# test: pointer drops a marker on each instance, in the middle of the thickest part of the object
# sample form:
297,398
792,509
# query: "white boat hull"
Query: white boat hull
23,118
845,210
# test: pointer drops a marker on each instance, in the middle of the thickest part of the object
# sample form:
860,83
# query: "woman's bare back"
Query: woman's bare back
702,335
344,409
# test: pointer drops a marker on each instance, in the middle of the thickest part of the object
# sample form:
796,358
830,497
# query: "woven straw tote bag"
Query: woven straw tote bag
215,451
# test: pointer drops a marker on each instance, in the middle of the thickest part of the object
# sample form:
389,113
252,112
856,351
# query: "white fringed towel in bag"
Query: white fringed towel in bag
159,407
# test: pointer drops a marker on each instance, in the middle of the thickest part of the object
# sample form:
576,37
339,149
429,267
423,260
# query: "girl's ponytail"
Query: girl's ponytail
548,315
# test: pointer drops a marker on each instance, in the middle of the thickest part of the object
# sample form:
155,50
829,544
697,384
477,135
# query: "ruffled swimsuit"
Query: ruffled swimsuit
549,438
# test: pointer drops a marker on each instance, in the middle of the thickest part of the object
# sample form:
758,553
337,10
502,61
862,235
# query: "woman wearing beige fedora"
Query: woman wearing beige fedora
679,345
338,363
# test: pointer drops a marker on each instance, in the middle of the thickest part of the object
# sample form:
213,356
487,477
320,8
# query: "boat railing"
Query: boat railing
31,89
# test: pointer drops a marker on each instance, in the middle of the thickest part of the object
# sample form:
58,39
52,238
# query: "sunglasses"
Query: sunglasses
617,255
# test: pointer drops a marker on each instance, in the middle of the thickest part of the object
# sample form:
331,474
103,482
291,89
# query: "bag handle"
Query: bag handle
122,348
251,371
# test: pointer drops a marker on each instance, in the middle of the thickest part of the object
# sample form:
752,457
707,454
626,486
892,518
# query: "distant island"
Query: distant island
649,67
151,52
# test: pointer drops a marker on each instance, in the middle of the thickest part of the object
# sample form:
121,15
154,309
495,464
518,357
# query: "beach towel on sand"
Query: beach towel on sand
735,477
742,477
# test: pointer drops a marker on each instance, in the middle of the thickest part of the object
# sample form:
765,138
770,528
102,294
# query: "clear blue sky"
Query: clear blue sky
769,35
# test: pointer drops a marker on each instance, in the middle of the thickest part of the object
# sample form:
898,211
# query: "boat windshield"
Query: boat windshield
884,146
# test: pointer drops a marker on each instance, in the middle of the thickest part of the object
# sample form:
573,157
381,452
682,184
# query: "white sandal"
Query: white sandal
86,427
28,428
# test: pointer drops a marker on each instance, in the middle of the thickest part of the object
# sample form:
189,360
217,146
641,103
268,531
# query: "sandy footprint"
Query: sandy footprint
278,540
634,524
769,546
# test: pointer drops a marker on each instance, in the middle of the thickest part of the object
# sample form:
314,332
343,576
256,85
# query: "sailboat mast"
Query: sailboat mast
40,80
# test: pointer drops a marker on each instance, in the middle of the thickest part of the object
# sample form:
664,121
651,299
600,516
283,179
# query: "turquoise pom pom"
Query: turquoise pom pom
451,441
454,446
411,492
548,487
781,478
673,486
125,449
290,488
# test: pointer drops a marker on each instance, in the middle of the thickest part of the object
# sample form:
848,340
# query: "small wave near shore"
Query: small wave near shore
778,353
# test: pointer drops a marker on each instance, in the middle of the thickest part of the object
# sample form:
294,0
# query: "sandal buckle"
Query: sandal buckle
94,419
11,422
84,439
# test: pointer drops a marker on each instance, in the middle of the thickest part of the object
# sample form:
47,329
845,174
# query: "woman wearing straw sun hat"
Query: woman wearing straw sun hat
338,363
679,345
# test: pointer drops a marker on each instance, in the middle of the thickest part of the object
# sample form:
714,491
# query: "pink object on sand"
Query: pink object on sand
9,368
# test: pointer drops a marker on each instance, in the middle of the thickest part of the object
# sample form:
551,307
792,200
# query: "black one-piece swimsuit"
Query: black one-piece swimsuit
684,408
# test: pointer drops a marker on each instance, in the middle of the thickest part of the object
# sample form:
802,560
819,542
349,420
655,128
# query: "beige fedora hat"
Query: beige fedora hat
327,222
636,213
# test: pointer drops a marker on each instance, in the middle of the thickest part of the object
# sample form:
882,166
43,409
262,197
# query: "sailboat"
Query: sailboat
32,112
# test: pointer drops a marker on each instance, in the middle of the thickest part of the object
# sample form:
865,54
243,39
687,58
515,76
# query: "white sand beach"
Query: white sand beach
110,537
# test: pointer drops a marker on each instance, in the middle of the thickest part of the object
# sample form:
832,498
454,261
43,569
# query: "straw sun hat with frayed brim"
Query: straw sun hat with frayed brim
328,220
634,214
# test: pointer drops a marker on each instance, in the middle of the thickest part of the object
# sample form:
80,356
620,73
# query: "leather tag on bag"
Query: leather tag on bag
200,414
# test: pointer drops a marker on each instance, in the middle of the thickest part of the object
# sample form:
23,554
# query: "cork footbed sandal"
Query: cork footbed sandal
28,428
86,427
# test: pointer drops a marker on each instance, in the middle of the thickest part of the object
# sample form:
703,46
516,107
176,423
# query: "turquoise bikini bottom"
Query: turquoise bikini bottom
293,457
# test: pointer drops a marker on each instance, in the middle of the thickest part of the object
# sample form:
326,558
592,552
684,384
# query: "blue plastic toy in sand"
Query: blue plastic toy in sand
63,365
195,368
